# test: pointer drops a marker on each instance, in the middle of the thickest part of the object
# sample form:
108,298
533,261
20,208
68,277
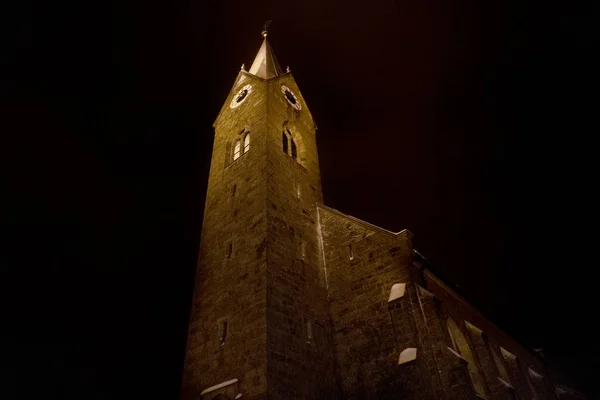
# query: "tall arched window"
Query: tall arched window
287,138
461,345
236,149
247,142
294,151
284,140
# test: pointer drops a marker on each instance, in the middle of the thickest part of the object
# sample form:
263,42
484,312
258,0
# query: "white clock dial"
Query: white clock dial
241,96
291,97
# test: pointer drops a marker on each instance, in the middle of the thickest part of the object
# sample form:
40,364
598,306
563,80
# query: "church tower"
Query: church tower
295,300
260,324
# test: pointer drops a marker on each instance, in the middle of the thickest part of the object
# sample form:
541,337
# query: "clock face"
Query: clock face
241,96
291,97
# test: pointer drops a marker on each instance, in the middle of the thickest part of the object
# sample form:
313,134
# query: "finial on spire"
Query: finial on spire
264,30
265,63
243,67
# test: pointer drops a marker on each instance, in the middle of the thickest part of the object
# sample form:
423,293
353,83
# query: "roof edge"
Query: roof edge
366,224
460,296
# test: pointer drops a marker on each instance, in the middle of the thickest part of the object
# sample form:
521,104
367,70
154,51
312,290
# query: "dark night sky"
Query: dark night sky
468,123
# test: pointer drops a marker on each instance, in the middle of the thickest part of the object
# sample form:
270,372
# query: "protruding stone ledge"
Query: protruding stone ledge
457,355
506,384
534,374
424,292
407,355
219,386
507,354
397,292
473,328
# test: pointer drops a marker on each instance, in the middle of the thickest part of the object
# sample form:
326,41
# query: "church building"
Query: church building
295,300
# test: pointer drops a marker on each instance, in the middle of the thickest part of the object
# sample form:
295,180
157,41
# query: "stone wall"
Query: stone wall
232,287
362,263
293,299
301,363
502,361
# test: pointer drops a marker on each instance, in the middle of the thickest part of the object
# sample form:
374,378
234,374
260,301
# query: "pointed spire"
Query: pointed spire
265,63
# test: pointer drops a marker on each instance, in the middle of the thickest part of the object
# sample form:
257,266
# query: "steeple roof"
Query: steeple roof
265,63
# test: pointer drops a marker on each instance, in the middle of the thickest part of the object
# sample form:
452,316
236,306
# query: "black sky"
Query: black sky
470,124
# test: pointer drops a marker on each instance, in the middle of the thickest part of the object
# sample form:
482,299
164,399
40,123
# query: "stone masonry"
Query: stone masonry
295,300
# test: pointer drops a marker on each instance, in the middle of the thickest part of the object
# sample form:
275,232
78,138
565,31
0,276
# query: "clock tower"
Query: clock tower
260,325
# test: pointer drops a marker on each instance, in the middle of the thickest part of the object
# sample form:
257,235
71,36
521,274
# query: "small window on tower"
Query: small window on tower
294,151
302,248
233,190
350,252
223,332
298,191
309,334
247,142
289,145
229,250
236,150
284,140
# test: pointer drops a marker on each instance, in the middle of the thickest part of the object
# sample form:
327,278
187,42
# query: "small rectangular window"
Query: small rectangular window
302,248
309,334
298,191
229,250
350,252
233,189
223,330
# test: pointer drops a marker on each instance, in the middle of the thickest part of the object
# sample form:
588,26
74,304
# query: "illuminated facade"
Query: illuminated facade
295,300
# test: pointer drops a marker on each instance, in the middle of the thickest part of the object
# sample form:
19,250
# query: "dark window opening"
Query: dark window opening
289,145
229,249
285,142
302,248
223,332
233,189
294,152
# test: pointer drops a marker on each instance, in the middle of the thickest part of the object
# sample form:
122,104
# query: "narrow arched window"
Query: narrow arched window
236,150
284,140
294,151
229,250
223,332
289,145
247,142
309,333
302,248
461,345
